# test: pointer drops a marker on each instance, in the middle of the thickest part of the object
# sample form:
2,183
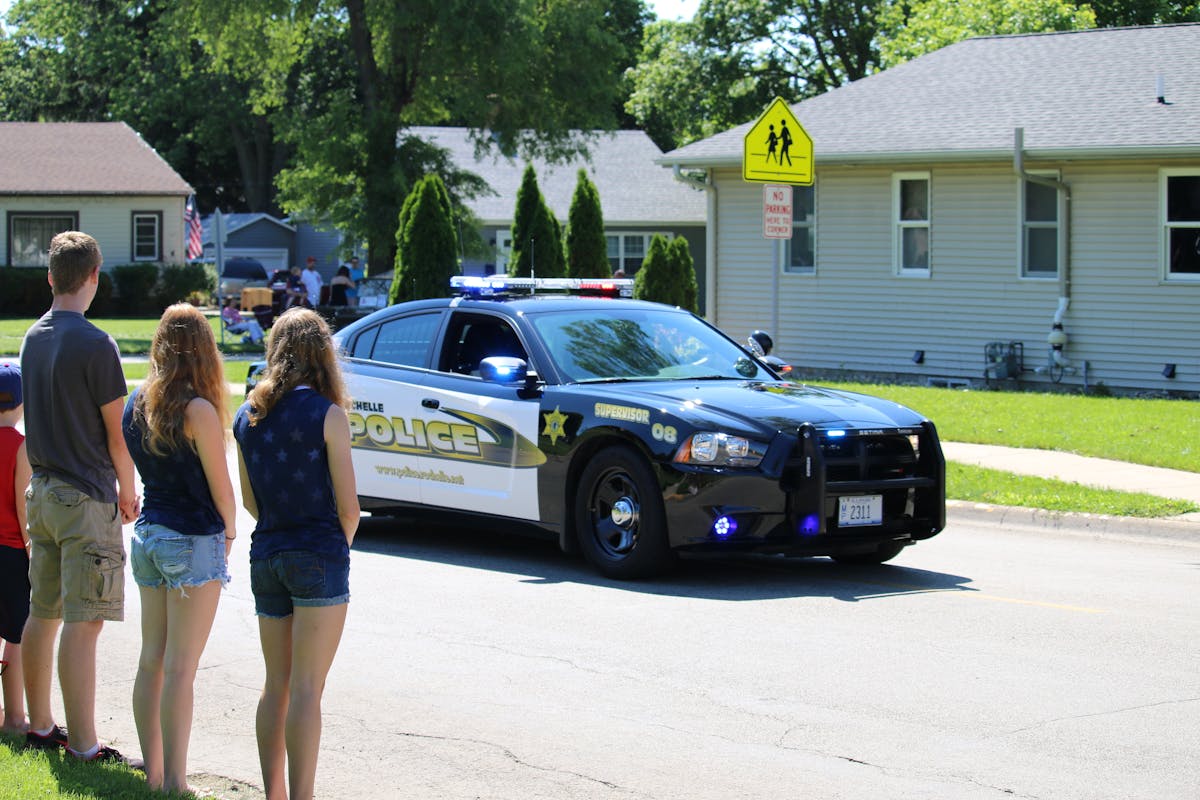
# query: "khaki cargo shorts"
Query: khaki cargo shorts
77,557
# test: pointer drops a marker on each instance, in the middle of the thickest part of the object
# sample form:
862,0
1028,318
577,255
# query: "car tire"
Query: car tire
619,516
885,552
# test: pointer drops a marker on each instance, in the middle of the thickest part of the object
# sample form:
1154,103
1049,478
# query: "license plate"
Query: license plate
864,509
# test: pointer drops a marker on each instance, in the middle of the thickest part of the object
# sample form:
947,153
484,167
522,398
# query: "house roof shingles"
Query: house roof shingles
82,158
633,188
1075,94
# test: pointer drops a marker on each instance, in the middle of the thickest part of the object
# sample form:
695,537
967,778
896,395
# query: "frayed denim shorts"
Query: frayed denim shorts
161,556
282,581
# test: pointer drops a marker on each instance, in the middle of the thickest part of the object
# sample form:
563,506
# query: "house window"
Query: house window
910,210
1181,223
147,238
29,236
802,248
1040,228
627,251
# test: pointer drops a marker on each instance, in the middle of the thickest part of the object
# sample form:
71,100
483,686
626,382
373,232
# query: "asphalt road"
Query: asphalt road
989,662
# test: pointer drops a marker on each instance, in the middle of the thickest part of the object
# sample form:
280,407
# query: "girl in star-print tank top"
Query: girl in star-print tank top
298,483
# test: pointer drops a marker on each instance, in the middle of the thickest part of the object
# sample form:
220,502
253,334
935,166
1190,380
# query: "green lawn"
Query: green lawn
132,335
27,774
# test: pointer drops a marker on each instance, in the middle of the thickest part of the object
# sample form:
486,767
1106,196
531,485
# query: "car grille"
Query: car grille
911,479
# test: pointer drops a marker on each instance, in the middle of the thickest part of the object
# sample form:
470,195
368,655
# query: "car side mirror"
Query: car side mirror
505,370
760,343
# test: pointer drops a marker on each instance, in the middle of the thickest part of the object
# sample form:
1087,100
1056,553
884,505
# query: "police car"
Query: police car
631,431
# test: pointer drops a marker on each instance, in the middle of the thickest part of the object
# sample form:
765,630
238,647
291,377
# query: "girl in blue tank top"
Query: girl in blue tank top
175,426
298,483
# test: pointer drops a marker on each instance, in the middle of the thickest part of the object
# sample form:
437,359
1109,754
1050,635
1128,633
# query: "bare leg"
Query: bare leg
276,638
189,621
147,687
316,633
77,674
37,648
14,690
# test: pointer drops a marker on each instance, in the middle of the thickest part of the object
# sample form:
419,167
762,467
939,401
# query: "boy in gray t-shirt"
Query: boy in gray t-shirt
81,492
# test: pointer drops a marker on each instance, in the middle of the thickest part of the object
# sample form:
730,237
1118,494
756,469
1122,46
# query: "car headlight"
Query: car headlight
711,449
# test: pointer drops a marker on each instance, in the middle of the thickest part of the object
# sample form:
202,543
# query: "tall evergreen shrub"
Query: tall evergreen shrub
587,249
536,237
655,280
426,249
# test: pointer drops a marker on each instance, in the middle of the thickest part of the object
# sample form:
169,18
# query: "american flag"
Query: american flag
191,218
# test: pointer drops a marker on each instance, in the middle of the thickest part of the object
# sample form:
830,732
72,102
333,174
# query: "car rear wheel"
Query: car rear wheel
619,516
885,552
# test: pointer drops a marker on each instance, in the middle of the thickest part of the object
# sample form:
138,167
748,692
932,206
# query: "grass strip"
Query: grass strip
53,775
996,487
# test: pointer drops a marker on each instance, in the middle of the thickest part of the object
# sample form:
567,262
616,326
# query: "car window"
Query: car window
474,338
640,344
406,341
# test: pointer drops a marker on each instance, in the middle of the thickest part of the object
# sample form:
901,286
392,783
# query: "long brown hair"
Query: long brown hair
301,352
184,364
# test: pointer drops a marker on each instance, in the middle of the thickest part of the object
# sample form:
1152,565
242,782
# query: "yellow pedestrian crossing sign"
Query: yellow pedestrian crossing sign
777,148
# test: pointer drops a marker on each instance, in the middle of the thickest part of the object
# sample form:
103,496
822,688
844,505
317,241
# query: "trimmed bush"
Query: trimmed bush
587,248
426,247
179,281
683,268
24,292
536,234
135,285
655,280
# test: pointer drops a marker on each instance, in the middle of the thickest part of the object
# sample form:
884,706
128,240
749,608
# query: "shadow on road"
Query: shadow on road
733,577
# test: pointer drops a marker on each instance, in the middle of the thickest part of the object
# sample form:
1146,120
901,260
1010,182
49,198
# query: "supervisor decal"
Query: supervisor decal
467,437
623,413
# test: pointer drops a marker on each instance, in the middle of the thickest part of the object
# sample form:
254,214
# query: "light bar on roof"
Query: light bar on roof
507,284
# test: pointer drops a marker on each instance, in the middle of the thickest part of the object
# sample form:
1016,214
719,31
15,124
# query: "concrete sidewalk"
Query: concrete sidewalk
1097,472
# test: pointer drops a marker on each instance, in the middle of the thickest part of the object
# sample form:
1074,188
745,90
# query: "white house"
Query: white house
98,177
1052,180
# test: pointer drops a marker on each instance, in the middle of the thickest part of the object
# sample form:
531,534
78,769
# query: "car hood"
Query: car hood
766,408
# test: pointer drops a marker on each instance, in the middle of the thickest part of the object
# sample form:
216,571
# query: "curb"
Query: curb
1184,529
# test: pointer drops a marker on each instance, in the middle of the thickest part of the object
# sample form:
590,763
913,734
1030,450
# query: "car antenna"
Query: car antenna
532,271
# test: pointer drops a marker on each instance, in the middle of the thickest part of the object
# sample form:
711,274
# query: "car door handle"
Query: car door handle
429,402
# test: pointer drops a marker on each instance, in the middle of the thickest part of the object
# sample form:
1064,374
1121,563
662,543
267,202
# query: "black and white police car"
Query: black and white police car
630,430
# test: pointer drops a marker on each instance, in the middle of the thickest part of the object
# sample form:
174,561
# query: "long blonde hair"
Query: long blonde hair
301,352
184,365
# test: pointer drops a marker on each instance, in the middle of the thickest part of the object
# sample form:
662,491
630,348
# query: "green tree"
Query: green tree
683,273
697,78
1116,13
922,26
587,249
536,240
656,279
527,75
426,247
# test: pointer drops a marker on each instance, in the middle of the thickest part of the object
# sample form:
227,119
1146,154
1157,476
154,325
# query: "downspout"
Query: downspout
710,236
1058,337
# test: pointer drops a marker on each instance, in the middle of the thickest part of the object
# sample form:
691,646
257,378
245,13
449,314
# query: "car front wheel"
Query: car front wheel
619,516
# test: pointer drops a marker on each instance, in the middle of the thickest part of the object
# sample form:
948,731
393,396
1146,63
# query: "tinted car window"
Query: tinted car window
405,341
472,339
640,345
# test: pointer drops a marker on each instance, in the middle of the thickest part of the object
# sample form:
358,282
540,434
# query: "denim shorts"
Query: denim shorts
298,578
161,556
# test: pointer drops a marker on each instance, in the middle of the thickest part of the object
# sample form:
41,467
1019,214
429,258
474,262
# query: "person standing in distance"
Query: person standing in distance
298,483
81,492
175,426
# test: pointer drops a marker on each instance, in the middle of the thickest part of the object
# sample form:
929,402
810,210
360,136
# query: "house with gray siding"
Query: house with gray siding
97,177
637,198
1002,191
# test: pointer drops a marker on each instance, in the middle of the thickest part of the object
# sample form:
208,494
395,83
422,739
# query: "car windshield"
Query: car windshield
640,344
